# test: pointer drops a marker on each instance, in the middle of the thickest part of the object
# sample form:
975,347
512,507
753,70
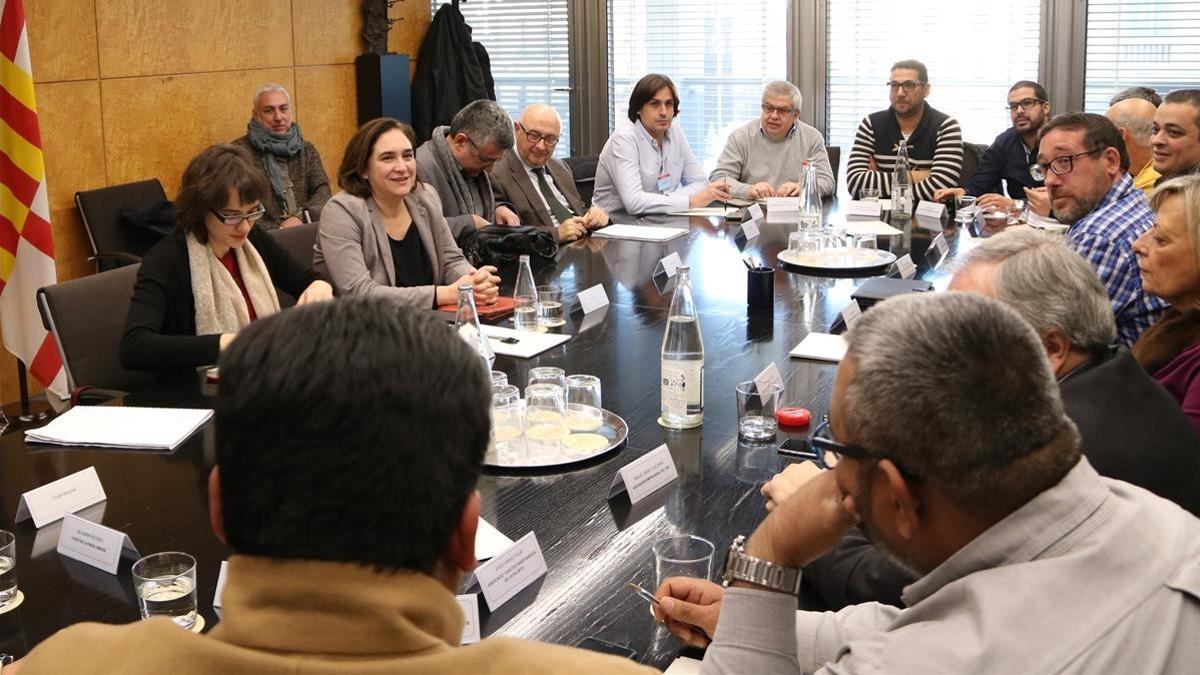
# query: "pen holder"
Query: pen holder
760,288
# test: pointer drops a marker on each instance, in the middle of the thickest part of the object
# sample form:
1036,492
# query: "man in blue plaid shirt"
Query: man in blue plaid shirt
1086,168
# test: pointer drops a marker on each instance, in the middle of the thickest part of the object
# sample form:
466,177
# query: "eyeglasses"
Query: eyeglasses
237,218
479,153
536,137
769,109
1024,104
1059,165
823,443
907,85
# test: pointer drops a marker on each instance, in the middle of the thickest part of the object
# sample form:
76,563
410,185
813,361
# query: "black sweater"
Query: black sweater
160,331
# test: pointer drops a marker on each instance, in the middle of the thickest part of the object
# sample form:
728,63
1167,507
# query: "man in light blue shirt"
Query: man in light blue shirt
648,166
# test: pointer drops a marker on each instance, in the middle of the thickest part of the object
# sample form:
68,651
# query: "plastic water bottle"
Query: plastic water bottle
682,360
525,298
466,324
901,184
810,200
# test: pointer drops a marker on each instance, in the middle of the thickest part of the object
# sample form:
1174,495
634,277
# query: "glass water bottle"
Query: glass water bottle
466,324
525,298
682,360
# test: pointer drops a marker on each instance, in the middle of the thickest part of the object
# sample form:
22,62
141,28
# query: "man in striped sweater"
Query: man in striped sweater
934,139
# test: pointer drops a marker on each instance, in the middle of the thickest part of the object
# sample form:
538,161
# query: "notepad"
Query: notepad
528,343
122,427
820,347
639,232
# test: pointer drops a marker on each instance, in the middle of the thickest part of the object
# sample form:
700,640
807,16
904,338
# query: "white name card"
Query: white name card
906,267
65,495
755,211
769,376
645,475
669,265
469,604
593,298
783,209
939,242
511,572
94,544
750,227
221,578
862,207
931,209
851,313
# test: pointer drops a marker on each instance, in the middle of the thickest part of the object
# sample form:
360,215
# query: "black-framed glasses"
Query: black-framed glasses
536,137
479,152
769,109
237,218
823,444
1024,104
907,85
1060,165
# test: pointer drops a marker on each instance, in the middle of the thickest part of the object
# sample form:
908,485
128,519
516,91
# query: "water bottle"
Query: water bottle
525,298
466,324
810,200
682,360
901,184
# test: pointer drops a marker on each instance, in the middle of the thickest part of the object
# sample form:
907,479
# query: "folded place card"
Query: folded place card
930,209
668,266
905,266
94,544
862,207
221,578
783,209
597,317
645,475
593,298
489,542
469,604
511,572
939,242
770,375
754,210
65,495
820,347
750,228
851,313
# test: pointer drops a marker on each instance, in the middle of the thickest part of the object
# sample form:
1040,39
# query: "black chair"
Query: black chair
972,152
835,161
87,318
583,168
299,242
113,243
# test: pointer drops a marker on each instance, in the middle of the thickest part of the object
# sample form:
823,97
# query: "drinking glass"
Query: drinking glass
508,423
499,377
8,568
868,195
550,307
795,241
756,411
584,410
682,556
545,424
166,586
867,241
547,375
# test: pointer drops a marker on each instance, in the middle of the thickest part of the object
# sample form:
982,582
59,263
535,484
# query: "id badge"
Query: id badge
665,182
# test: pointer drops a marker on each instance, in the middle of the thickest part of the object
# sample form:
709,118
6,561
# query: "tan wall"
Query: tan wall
131,89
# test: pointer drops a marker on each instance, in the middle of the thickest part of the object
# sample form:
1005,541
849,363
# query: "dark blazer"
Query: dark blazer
1132,430
160,329
512,184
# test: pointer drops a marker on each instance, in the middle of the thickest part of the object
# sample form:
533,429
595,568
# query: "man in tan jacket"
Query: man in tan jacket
347,492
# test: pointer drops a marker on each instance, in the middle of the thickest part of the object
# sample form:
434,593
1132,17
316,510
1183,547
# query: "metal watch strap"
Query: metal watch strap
742,567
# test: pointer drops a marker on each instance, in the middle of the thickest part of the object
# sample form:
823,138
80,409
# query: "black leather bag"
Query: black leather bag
501,246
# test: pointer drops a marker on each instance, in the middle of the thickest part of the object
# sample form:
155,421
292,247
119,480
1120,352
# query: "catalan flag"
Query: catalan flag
26,245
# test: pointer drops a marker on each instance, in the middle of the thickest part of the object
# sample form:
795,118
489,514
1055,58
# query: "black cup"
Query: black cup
760,288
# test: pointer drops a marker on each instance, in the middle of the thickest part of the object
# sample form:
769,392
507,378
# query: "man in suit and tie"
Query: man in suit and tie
541,188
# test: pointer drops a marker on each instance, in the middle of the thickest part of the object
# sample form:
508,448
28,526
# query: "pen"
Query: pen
747,263
649,597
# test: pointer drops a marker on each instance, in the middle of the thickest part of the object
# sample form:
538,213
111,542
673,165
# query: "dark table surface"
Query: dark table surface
592,546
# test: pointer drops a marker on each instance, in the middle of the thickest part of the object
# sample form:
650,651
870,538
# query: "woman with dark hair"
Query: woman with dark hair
215,273
647,166
385,233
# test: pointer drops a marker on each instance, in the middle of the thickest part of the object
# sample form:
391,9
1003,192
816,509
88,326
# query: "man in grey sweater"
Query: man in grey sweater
763,158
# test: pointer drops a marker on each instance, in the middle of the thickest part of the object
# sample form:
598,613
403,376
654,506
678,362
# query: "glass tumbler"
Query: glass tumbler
166,586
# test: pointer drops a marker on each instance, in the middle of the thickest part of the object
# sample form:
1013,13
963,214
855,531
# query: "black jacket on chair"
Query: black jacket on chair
449,72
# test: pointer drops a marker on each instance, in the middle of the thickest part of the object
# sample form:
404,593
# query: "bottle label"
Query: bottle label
682,387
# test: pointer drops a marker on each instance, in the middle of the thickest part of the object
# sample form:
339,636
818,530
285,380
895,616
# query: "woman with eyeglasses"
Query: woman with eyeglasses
1169,258
215,273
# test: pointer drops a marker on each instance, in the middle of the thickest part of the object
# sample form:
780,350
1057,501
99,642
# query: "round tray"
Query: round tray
612,427
839,259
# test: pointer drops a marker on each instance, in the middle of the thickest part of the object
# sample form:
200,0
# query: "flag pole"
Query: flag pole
27,416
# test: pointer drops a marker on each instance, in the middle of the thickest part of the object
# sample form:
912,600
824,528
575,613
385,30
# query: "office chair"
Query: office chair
113,242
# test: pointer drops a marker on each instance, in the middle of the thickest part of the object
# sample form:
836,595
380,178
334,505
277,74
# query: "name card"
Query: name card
769,376
94,544
862,207
939,242
750,228
783,209
68,494
755,211
593,298
645,475
469,604
511,572
851,313
906,267
221,578
930,209
668,265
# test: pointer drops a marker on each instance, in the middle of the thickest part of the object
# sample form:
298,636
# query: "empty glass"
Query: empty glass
499,378
868,195
584,409
547,375
545,424
683,556
8,568
507,423
166,586
756,411
550,306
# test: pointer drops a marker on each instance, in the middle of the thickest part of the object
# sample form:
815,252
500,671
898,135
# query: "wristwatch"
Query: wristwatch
742,567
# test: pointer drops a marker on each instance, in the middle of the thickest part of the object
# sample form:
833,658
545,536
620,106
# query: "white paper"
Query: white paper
639,232
511,572
783,209
222,577
931,209
851,313
940,243
684,665
770,375
528,343
755,211
593,298
93,544
904,264
708,212
860,207
820,347
122,427
669,264
885,204
750,228
875,227
68,494
645,475
469,604
489,542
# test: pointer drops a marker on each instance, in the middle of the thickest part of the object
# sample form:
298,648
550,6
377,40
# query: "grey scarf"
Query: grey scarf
273,145
458,183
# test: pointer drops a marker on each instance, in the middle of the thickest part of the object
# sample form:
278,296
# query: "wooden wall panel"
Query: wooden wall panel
326,110
409,31
327,31
160,37
62,39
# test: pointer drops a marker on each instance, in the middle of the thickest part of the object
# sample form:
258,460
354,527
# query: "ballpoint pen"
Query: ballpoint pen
649,597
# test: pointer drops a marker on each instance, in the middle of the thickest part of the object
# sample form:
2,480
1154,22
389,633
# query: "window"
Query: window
526,41
974,52
719,54
1140,43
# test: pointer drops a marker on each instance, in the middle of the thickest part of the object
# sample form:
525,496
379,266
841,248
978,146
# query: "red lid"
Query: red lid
793,416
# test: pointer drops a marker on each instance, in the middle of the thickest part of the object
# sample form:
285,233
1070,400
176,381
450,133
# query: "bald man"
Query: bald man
540,188
1134,118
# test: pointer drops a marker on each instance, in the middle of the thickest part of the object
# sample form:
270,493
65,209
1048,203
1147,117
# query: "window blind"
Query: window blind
527,42
718,53
1140,43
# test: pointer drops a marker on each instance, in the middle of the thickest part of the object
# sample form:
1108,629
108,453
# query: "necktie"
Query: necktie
557,208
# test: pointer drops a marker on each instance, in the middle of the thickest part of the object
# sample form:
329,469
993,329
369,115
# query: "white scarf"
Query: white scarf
220,307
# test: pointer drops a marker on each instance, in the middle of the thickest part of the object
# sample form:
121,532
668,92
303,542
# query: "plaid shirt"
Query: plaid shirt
1105,238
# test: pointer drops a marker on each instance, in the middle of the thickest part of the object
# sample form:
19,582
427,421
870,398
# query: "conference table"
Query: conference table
593,545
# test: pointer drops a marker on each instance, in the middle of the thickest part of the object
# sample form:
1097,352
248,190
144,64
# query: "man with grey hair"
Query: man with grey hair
764,157
969,473
299,183
1145,93
1134,118
456,161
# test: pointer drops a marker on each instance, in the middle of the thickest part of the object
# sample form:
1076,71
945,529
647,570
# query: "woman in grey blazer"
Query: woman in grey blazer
384,233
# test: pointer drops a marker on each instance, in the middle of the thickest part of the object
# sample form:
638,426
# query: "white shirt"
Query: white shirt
533,178
638,176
